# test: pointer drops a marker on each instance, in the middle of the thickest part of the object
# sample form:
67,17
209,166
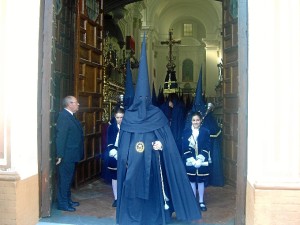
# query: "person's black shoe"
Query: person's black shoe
67,208
114,203
73,204
202,206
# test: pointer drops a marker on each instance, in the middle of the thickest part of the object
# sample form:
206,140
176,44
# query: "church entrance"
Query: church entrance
73,65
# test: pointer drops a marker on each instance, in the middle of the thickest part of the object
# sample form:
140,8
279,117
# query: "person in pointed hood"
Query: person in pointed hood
152,183
129,88
110,155
199,103
216,177
174,110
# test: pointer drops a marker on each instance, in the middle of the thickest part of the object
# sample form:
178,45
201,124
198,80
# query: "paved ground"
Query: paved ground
96,199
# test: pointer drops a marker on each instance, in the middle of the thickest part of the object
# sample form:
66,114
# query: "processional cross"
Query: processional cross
171,65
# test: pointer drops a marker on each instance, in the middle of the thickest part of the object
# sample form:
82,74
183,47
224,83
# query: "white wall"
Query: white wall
274,90
19,25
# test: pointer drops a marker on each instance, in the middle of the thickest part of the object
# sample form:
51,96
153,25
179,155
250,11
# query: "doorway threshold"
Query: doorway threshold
96,200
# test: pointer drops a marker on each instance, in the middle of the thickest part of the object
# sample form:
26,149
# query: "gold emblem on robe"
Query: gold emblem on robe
139,147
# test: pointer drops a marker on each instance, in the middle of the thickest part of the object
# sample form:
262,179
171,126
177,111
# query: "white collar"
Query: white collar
69,111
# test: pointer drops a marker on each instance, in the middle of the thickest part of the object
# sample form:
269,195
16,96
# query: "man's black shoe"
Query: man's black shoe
67,208
73,204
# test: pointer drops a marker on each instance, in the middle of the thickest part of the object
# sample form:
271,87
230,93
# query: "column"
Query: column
212,59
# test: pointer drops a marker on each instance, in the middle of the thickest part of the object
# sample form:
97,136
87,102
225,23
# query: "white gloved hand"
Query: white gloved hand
204,163
190,161
201,157
157,145
197,163
113,153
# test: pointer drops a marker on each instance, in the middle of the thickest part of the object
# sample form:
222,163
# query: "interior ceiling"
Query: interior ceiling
110,26
110,5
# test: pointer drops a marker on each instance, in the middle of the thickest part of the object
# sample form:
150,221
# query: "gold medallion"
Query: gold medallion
139,147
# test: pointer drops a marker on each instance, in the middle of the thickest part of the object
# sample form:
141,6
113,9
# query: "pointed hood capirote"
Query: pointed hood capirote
144,175
142,115
199,105
142,92
129,88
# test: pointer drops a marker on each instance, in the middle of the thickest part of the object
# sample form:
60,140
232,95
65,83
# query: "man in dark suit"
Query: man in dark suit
69,151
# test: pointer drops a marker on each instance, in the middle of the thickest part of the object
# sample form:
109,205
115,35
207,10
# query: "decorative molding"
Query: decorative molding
211,43
277,185
9,176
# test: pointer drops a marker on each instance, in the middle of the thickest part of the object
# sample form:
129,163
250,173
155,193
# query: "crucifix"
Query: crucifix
171,66
170,81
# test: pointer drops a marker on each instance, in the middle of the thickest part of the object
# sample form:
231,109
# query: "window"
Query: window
187,70
187,29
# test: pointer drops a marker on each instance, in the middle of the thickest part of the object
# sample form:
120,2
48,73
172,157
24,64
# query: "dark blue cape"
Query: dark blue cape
139,178
177,116
144,174
216,176
110,163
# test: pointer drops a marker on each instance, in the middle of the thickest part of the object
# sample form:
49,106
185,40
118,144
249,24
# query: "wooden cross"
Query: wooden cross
171,65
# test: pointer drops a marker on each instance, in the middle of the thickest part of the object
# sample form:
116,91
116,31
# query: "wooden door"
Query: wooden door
71,50
230,93
88,85
235,100
56,81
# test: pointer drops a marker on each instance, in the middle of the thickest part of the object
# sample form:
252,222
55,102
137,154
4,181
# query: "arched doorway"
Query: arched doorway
235,99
